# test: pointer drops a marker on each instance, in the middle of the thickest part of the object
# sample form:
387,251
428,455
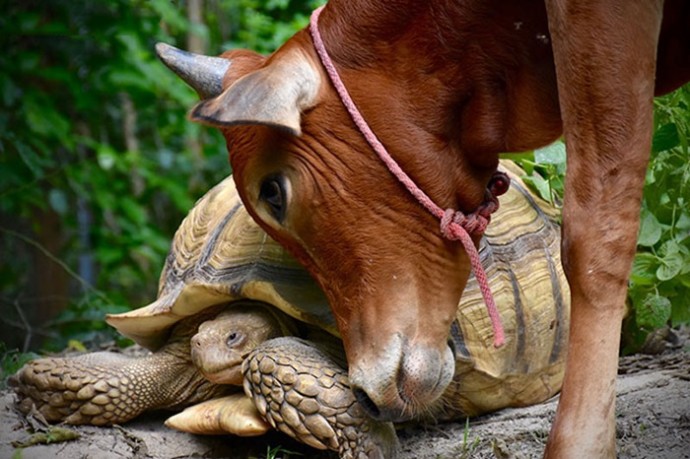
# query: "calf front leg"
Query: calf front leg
605,56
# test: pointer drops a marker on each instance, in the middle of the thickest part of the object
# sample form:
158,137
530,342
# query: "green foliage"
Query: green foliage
280,452
261,25
660,281
659,292
95,146
11,361
71,81
545,169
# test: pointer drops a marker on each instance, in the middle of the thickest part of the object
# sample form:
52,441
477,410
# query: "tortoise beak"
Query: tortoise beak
203,73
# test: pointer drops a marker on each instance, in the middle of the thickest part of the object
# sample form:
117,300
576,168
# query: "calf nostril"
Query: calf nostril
451,345
367,403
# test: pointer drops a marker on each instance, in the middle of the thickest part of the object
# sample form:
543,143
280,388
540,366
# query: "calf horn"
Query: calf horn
203,73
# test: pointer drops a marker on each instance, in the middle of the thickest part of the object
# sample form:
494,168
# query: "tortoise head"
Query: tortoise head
309,178
222,343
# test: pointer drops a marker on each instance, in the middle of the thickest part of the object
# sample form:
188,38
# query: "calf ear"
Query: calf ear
274,95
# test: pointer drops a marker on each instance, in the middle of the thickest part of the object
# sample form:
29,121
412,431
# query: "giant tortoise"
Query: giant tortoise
233,295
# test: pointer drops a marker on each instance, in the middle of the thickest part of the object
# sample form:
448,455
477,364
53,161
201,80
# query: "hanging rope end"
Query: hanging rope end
499,338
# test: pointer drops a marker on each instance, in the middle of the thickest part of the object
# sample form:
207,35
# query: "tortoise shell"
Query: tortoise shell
219,254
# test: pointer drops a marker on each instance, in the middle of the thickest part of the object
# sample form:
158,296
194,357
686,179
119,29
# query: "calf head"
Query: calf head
310,180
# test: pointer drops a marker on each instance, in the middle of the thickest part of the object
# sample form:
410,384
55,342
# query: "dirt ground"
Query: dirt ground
653,421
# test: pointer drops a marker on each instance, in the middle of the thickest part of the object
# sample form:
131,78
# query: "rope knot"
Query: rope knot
449,218
477,221
454,221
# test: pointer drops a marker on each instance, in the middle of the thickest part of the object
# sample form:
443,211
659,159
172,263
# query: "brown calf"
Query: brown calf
447,86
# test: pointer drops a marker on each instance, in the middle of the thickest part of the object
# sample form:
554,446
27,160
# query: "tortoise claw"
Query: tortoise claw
234,414
303,393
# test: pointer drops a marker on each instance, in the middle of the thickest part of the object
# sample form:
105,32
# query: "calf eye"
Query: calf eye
273,193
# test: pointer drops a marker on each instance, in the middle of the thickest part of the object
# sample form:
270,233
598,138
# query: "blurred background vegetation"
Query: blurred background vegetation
98,164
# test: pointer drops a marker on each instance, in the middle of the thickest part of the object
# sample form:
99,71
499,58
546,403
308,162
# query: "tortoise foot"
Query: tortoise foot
73,390
303,393
103,388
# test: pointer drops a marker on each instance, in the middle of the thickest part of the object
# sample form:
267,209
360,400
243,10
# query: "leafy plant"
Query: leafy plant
660,281
98,163
11,361
280,452
545,169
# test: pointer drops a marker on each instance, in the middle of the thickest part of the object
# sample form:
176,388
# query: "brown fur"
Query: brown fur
447,86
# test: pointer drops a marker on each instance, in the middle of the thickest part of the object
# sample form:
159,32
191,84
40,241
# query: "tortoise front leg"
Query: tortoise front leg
104,388
605,60
303,393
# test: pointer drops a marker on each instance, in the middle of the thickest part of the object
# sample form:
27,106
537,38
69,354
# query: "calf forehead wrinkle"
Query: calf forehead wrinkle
344,212
396,289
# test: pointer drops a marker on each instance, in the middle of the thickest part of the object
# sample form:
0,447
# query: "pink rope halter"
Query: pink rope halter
455,225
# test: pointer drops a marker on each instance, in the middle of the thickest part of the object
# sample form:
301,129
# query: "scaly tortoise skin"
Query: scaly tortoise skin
299,387
220,255
103,388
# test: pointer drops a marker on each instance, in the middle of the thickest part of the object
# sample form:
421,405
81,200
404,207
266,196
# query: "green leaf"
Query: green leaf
671,247
551,154
106,157
684,280
670,267
30,158
12,360
76,345
650,229
58,201
680,312
644,269
653,312
45,120
683,222
28,22
540,185
129,78
524,159
169,14
665,138
133,210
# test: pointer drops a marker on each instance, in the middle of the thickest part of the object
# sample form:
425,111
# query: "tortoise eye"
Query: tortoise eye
234,338
273,193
